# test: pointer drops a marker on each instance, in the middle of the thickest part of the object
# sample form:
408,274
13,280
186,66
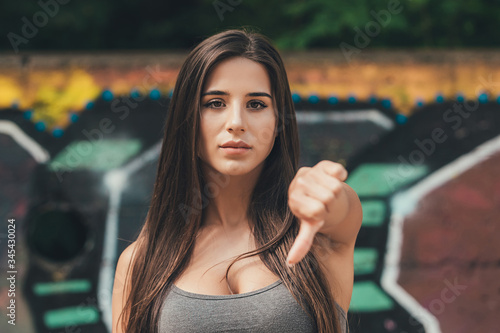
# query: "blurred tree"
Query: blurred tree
292,24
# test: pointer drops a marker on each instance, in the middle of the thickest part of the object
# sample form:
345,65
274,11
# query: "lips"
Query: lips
236,144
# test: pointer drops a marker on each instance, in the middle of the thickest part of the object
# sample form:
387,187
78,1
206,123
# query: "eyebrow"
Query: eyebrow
225,93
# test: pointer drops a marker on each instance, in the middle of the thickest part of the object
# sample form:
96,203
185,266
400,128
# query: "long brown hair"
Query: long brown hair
165,243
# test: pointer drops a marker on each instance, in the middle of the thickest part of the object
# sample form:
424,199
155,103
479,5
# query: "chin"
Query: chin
235,171
236,168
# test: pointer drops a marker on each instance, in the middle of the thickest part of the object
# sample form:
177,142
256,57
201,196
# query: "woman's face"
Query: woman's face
236,104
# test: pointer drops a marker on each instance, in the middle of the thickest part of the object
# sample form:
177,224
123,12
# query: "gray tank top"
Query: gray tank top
269,309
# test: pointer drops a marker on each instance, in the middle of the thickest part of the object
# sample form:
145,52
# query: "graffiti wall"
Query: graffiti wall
78,161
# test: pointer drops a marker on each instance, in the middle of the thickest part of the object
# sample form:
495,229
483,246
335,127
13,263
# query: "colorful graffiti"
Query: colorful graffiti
426,259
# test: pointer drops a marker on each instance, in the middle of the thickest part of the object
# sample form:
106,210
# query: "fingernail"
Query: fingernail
289,264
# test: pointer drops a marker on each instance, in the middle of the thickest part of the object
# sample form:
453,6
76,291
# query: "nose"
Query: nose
236,121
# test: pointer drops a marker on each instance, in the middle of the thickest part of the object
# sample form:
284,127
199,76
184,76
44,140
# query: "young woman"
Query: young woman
237,238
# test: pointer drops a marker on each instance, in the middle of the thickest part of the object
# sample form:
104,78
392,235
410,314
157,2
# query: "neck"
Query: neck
229,198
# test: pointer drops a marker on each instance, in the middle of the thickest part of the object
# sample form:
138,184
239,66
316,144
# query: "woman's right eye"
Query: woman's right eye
211,103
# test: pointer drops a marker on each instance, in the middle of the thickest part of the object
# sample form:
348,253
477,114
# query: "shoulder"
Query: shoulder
124,262
127,255
122,280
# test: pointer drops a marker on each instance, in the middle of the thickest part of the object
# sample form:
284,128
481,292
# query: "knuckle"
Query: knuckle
301,181
337,167
303,170
337,188
330,197
294,197
325,163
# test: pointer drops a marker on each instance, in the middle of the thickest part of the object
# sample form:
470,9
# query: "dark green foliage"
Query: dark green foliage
291,24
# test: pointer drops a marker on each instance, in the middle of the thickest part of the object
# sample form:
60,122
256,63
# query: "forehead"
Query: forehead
238,74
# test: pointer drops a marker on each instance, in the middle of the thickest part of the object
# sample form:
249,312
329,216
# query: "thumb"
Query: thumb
303,242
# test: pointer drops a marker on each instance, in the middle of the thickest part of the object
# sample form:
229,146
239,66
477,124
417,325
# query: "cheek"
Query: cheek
266,131
206,131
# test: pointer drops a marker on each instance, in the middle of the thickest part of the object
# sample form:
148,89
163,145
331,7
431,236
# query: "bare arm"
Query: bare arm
120,296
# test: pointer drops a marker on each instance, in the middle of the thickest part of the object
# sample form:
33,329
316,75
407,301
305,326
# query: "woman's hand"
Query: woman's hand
311,197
